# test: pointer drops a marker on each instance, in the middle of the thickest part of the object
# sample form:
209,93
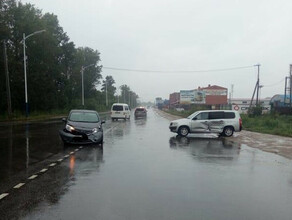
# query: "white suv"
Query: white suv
120,111
222,122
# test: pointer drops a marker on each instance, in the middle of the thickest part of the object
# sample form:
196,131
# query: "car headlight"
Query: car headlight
70,128
94,130
173,124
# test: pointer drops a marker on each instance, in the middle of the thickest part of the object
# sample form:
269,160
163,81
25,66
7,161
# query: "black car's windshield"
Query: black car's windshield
84,117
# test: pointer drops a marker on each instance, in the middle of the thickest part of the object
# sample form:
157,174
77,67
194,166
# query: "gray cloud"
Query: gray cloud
183,35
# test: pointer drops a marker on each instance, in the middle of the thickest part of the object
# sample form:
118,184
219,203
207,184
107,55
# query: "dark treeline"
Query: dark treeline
53,65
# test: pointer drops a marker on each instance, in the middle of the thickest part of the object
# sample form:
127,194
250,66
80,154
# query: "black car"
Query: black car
82,127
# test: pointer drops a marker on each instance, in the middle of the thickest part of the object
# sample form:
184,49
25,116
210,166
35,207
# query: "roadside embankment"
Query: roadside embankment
40,118
266,142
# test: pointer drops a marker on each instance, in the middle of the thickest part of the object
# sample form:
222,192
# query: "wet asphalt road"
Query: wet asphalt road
142,172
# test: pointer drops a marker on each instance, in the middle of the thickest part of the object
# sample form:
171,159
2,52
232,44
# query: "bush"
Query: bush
255,111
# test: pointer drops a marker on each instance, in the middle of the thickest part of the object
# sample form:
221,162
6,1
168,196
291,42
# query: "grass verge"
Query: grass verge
36,116
269,124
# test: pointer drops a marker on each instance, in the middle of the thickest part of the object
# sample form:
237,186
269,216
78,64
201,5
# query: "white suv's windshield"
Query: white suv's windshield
192,115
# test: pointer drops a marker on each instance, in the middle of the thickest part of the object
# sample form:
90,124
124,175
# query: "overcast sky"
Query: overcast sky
176,35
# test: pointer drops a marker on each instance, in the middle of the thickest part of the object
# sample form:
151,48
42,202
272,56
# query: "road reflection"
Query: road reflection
54,184
119,128
206,148
140,122
23,145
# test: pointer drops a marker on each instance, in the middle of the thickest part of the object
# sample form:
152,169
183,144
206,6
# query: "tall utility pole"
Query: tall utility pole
258,85
231,94
290,86
7,80
288,90
256,89
106,100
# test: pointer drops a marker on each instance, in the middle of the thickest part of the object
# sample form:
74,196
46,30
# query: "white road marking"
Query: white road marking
109,129
32,177
52,164
72,152
3,195
76,150
18,185
60,160
80,147
66,156
44,170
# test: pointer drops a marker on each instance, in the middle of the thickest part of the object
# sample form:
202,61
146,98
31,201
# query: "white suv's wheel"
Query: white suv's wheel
228,131
183,131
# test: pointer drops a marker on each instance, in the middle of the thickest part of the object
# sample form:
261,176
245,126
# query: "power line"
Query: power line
177,71
274,84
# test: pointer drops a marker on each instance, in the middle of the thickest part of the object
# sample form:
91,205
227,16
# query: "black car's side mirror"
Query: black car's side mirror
64,120
103,121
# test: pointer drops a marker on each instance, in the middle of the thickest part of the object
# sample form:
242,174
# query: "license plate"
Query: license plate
117,112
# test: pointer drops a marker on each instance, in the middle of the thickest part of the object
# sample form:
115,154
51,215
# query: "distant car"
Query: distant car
120,111
140,112
210,121
82,127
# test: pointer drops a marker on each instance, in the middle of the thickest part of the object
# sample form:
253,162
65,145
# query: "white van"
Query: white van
120,111
222,122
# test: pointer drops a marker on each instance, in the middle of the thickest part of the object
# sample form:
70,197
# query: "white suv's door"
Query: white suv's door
199,123
216,121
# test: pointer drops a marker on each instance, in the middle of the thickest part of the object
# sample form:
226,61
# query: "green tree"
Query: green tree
128,96
108,85
53,62
89,58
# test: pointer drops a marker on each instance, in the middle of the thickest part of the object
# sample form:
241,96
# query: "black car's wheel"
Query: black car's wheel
228,131
183,131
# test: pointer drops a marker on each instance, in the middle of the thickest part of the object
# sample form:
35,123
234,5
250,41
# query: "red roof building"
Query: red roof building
174,98
215,95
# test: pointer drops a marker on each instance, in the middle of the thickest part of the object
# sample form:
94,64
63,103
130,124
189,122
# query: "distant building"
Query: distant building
174,99
278,101
215,95
242,105
159,102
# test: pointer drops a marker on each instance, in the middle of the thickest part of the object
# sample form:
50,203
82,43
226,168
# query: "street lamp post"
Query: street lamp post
24,62
106,98
82,81
118,90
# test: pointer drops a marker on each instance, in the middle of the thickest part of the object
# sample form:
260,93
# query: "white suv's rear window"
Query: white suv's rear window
229,114
118,108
